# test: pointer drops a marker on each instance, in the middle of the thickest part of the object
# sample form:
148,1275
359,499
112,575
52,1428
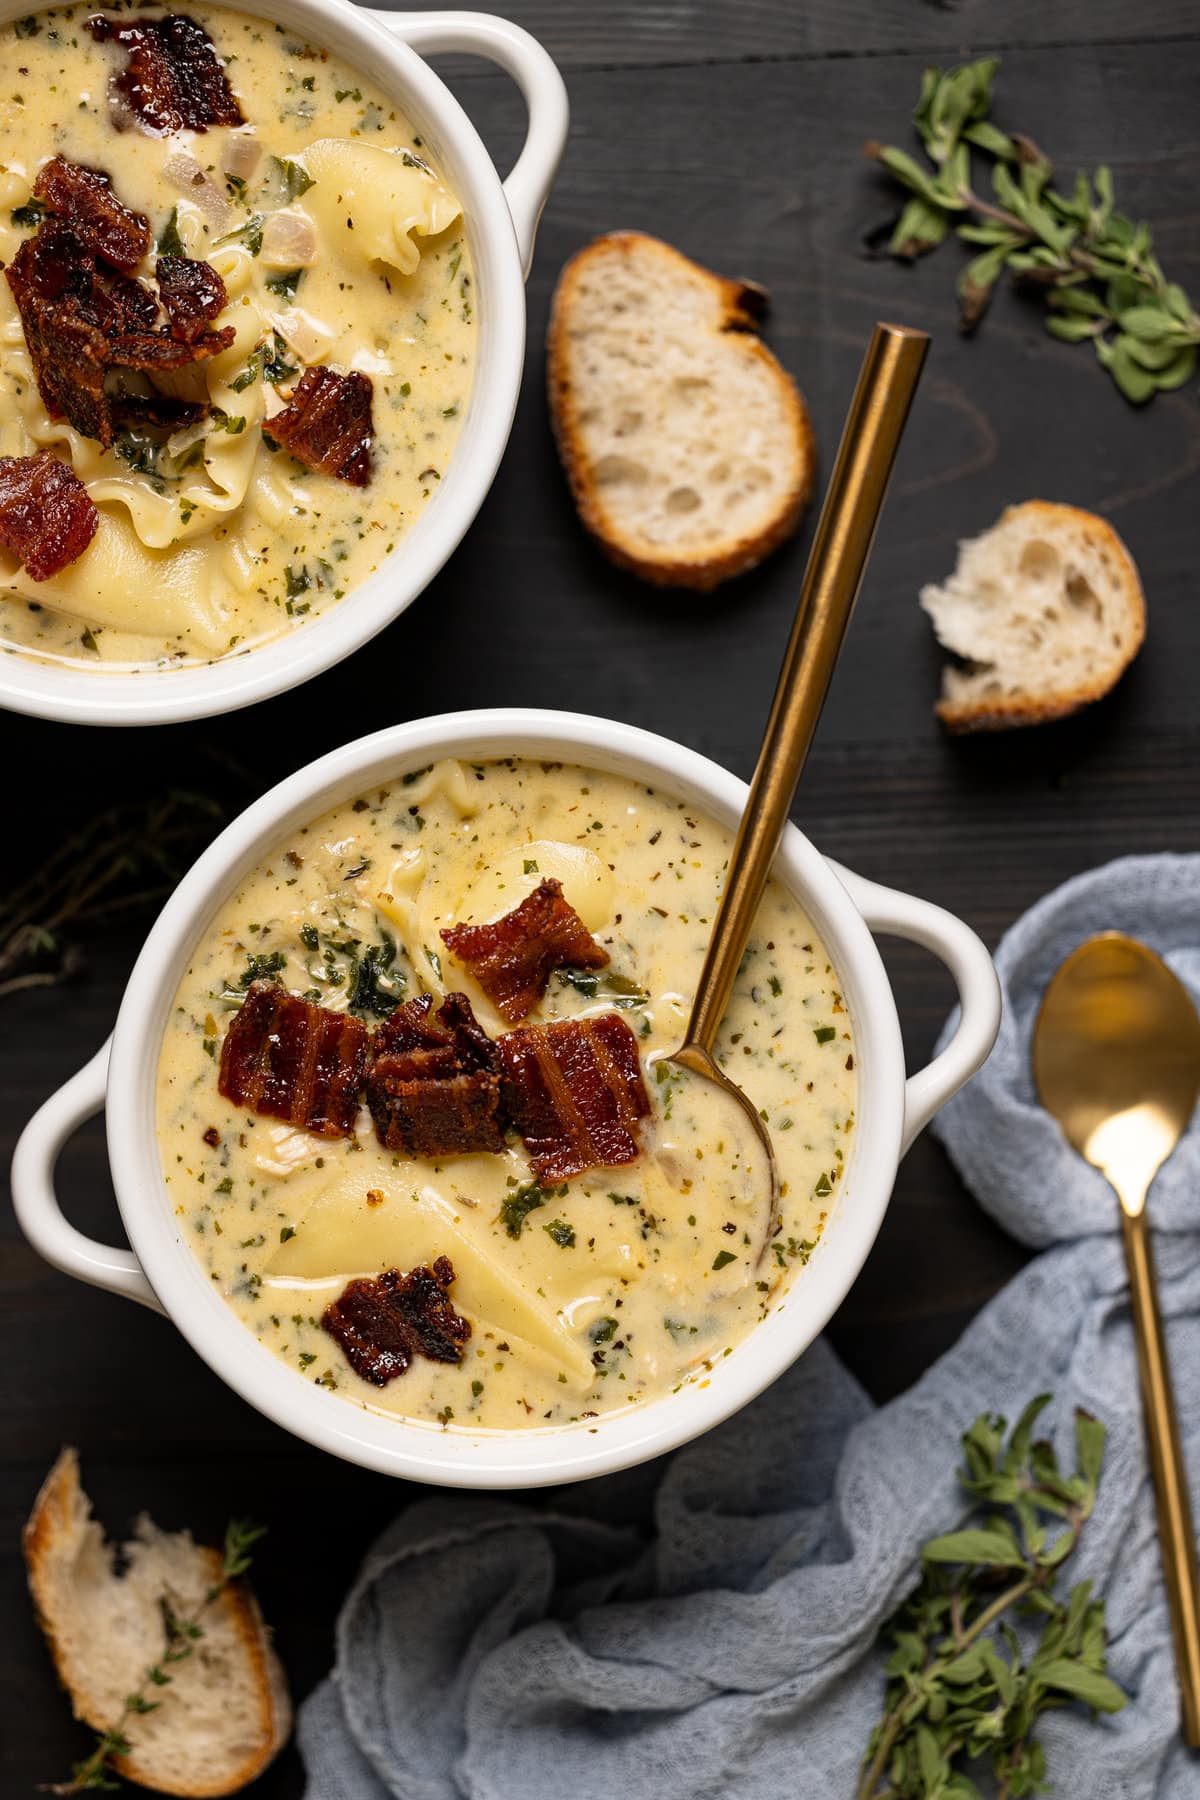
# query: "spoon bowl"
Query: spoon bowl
1116,1059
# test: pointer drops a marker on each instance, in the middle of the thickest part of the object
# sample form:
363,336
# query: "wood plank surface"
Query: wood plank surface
745,152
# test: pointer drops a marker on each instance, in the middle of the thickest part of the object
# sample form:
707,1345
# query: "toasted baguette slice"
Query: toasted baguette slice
687,446
226,1711
1047,611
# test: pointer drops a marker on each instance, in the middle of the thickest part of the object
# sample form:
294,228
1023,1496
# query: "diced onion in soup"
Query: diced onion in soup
289,241
185,173
243,153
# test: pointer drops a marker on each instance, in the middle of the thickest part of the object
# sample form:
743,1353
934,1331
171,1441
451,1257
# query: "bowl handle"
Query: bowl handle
36,1203
964,955
537,76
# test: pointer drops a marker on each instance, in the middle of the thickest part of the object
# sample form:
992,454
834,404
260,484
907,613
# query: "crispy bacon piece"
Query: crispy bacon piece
328,424
85,198
574,1091
79,325
513,958
154,350
174,80
156,411
192,293
382,1324
291,1059
433,1084
47,518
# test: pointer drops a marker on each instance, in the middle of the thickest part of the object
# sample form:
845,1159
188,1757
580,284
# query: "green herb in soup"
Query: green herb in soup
582,1295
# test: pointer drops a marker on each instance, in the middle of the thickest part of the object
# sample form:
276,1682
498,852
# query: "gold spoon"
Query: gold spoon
844,535
1116,1058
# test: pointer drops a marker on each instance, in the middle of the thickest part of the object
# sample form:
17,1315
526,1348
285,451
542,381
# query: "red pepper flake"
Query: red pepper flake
382,1324
513,958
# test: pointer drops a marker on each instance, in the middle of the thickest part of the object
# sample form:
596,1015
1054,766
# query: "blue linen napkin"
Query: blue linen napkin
500,1651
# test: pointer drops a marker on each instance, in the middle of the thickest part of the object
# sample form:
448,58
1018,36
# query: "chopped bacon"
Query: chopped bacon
433,1085
574,1091
291,1059
79,325
382,1324
174,80
192,292
68,350
327,425
151,350
513,958
47,518
84,197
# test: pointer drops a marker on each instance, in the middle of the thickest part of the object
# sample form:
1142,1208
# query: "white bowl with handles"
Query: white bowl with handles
501,219
162,1272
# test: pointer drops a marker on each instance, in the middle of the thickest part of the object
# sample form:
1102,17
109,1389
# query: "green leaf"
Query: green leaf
1075,298
169,241
1135,383
1149,324
907,170
1180,370
975,1546
1021,1440
975,284
1095,1690
985,136
1178,304
1072,329
920,227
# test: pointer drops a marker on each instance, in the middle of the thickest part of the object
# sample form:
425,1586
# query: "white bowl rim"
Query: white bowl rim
458,1457
88,696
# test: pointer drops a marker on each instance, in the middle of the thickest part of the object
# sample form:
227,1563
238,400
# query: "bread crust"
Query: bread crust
54,1520
1032,708
742,306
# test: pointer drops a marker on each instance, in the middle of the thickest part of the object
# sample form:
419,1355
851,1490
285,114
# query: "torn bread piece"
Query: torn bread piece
225,1713
687,446
1045,611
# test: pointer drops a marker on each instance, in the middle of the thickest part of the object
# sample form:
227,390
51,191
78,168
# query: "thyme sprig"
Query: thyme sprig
962,1686
1103,284
180,1638
123,858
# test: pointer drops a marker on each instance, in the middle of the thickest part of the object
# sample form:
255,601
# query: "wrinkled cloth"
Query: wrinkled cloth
505,1650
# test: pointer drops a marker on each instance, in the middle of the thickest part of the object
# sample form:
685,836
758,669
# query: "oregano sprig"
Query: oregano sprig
1101,280
963,1687
180,1638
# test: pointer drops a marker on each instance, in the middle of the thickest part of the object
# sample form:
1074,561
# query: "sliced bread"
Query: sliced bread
688,448
226,1711
1046,612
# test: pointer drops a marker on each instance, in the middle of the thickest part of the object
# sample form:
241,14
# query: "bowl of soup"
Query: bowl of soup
262,323
392,1132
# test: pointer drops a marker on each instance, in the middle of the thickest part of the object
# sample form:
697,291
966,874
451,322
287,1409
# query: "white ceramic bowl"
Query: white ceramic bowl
501,221
162,1271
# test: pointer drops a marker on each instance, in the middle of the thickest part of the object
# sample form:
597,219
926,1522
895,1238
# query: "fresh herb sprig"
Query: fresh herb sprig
123,859
1103,284
962,1687
180,1638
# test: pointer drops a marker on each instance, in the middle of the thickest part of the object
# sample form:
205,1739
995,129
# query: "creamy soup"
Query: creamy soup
338,247
588,1295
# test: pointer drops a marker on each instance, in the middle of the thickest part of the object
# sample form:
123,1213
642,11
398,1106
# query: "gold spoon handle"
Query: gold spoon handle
1176,1533
845,532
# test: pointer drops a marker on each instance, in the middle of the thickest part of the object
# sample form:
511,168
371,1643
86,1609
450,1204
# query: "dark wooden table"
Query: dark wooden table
732,128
